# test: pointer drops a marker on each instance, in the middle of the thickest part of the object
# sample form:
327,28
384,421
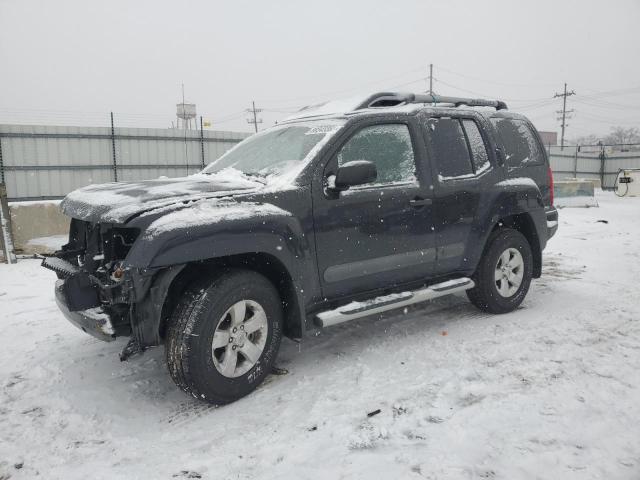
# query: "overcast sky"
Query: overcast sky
73,61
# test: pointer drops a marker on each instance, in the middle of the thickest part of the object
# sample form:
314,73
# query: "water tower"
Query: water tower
186,112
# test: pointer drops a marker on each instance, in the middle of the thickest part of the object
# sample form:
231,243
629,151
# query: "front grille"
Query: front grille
62,267
94,247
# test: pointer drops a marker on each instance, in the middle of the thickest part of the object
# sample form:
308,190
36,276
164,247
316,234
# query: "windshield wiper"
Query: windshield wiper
256,176
253,176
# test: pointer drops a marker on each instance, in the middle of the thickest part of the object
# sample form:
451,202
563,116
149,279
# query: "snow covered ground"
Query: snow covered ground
550,391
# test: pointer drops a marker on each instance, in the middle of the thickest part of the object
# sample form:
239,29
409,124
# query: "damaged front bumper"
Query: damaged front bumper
107,308
94,321
85,301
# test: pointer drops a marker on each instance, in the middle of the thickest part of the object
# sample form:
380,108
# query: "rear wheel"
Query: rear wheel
224,336
504,274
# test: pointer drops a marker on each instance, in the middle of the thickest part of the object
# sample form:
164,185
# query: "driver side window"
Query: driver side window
388,147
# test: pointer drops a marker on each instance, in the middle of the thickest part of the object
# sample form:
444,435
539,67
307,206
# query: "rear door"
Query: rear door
378,235
464,164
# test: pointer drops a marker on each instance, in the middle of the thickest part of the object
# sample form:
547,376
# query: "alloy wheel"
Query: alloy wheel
509,272
239,338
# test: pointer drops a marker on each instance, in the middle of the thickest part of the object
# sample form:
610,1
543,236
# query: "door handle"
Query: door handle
420,202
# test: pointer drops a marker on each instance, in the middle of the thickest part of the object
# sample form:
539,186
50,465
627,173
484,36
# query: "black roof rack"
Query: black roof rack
391,99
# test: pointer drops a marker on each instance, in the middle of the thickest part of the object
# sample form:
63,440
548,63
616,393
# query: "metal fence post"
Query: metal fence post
113,149
201,142
602,159
5,227
575,163
1,164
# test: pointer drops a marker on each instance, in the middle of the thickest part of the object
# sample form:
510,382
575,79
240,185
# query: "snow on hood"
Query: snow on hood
209,212
117,202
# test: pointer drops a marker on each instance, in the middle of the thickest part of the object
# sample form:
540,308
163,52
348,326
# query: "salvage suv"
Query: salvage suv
345,210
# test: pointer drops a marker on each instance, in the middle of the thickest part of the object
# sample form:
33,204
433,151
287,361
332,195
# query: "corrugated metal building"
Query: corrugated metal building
549,138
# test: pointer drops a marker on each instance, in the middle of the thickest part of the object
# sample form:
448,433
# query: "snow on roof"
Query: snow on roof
348,105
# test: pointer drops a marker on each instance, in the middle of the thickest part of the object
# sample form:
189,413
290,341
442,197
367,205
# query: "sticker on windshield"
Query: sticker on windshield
322,129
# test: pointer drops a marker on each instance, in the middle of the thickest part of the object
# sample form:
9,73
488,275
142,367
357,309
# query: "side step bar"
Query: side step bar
354,310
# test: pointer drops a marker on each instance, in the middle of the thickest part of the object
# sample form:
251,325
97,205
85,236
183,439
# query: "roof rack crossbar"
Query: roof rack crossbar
385,99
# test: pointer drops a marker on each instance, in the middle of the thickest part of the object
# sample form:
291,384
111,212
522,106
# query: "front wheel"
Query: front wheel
224,335
504,274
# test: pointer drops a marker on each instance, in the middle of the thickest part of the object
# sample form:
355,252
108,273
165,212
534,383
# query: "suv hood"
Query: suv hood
118,202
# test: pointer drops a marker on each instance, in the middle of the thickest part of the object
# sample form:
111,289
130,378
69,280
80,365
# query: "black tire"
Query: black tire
485,294
192,326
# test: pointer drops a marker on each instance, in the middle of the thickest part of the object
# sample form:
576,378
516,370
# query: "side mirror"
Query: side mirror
356,172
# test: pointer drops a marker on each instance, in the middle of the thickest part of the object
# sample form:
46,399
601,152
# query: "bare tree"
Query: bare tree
622,135
588,140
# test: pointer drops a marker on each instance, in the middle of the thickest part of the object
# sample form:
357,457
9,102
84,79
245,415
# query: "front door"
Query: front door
377,235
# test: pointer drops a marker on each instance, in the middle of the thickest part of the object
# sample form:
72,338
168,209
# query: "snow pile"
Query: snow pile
548,391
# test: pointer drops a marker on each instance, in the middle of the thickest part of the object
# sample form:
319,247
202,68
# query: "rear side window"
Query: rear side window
521,148
449,147
458,146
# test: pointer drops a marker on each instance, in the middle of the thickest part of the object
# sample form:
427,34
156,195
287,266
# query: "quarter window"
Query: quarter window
521,147
388,146
479,153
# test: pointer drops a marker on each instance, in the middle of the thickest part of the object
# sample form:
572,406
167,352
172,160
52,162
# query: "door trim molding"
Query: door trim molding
362,268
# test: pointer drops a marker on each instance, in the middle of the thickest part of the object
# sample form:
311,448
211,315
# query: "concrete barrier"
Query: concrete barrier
37,227
574,193
597,184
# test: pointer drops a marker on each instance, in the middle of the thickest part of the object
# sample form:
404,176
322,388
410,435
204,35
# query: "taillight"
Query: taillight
551,186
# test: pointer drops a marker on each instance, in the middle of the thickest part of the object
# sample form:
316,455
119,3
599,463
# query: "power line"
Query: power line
460,88
479,79
606,105
564,111
612,93
345,90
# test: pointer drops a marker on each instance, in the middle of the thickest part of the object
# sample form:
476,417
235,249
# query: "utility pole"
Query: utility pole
564,111
254,111
431,79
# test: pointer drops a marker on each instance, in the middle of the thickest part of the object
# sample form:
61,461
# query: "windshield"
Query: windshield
277,151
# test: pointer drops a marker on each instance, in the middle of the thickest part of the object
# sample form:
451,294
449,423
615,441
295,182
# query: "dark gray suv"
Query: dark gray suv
345,210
